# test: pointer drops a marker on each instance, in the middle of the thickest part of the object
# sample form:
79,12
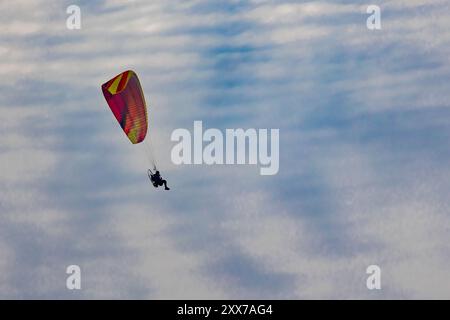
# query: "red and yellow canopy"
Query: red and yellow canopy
124,95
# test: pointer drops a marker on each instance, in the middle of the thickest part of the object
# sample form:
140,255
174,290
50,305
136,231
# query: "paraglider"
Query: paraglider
125,98
157,180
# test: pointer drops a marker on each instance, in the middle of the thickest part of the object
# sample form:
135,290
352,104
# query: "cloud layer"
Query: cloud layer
364,130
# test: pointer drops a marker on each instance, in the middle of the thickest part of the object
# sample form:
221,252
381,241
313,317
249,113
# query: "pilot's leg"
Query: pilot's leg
165,185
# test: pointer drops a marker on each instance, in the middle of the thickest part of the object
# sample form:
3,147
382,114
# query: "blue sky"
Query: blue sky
364,130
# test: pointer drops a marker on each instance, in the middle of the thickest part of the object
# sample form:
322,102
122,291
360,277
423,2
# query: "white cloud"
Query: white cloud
356,186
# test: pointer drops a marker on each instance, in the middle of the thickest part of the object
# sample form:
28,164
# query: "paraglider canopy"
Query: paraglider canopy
125,98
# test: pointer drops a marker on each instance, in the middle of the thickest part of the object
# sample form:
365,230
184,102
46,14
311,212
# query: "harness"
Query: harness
152,178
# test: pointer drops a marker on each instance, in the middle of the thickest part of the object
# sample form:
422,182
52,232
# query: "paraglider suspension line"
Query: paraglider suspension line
149,150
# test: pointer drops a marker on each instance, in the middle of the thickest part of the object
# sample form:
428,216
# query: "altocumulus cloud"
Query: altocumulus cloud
364,131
